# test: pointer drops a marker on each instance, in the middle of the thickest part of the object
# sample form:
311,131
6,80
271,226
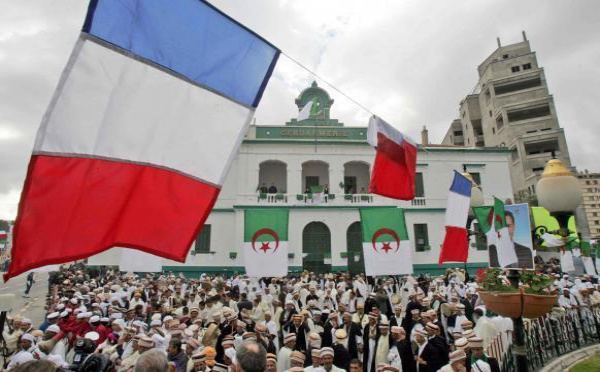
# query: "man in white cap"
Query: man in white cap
11,333
479,360
284,360
53,343
51,318
327,355
383,344
24,354
426,354
342,356
457,362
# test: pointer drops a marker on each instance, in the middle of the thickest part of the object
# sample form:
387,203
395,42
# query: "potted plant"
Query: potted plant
233,255
537,299
498,295
531,300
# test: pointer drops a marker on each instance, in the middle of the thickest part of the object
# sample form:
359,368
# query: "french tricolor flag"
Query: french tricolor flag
395,165
456,246
139,136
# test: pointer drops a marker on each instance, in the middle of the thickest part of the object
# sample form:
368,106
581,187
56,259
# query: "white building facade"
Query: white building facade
326,236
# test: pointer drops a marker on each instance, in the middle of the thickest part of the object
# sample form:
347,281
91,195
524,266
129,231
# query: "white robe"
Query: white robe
394,358
284,359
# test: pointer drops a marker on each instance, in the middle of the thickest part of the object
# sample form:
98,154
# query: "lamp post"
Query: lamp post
559,192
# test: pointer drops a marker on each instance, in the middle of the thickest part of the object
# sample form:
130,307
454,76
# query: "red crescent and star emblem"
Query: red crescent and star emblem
498,219
265,244
386,244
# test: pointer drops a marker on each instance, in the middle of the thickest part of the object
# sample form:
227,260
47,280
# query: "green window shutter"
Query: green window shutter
419,186
421,237
203,241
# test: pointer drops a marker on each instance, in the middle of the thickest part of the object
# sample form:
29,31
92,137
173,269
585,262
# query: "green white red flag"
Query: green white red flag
492,221
386,247
265,245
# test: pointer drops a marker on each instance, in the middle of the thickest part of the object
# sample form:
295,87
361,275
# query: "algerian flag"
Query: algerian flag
266,242
318,194
386,247
497,233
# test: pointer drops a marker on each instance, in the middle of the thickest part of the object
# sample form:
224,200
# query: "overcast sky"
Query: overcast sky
410,62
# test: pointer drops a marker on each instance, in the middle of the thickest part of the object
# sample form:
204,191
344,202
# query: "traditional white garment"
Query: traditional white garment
394,358
284,361
383,349
20,357
419,352
60,349
486,330
371,354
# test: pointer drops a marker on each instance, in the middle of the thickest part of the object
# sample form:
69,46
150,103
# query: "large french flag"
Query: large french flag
135,145
456,245
395,166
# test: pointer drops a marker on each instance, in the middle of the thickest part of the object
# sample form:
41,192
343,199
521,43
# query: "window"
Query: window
419,186
590,189
597,222
421,237
310,181
516,86
493,130
530,112
203,240
588,182
476,177
350,185
527,66
594,214
490,113
515,69
505,56
595,182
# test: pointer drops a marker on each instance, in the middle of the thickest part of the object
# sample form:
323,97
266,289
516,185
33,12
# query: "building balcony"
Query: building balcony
333,200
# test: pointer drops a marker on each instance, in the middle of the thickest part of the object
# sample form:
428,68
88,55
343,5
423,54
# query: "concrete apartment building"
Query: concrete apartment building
511,107
590,186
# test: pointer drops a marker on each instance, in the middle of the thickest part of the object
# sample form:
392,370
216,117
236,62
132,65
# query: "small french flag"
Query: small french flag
456,245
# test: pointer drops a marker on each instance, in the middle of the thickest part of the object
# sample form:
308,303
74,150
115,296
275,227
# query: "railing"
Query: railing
311,199
549,336
421,202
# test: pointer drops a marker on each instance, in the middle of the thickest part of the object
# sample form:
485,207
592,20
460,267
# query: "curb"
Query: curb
566,361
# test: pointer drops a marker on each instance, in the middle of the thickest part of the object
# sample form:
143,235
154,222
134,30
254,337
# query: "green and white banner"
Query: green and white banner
386,247
266,242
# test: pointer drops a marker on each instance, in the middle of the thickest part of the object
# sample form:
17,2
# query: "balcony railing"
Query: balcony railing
334,200
311,199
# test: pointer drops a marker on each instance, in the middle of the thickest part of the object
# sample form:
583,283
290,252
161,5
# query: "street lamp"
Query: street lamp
559,192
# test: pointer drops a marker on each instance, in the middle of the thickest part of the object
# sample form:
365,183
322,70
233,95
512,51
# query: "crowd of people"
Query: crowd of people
105,321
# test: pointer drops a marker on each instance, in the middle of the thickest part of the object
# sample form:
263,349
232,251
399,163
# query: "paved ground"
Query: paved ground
32,307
